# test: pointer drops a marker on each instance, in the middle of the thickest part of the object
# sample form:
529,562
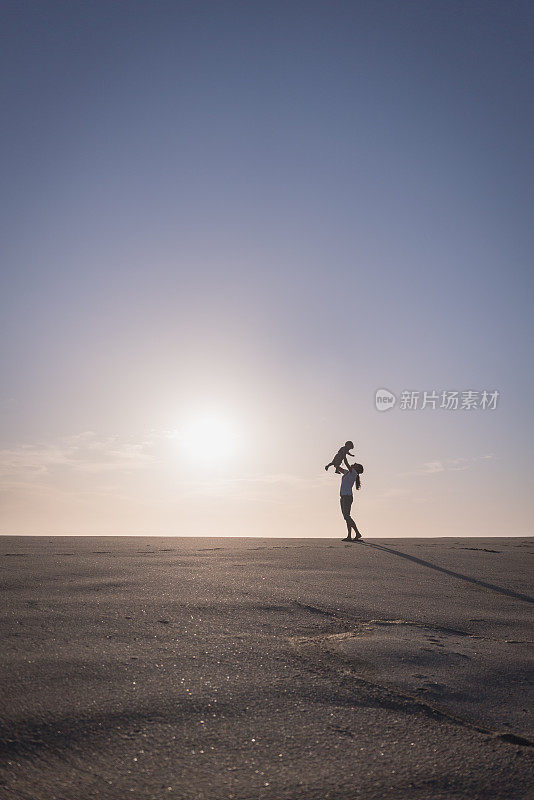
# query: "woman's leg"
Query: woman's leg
346,502
346,505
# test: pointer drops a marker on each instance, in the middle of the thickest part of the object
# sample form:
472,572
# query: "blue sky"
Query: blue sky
263,212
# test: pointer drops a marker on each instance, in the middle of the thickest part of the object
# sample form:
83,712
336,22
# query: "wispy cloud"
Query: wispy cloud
83,452
87,462
248,484
448,465
451,465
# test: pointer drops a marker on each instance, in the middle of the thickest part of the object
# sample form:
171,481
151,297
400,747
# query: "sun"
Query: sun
208,435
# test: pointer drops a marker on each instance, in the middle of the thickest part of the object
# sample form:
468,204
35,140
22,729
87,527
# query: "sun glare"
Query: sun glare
208,436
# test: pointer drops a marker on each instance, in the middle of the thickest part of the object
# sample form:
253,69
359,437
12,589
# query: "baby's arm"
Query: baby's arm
347,454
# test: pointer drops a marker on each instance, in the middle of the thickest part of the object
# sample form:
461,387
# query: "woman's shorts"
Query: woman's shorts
346,503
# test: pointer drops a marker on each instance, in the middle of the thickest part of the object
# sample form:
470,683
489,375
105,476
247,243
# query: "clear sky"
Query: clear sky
226,225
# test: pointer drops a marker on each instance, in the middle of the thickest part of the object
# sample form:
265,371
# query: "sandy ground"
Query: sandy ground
253,668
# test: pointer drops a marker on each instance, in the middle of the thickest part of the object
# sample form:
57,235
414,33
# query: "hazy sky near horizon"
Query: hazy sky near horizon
253,215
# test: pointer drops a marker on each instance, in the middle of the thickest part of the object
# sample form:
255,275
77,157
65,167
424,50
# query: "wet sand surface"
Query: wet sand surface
254,668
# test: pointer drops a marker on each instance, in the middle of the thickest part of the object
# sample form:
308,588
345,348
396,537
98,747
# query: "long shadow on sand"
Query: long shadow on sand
476,581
